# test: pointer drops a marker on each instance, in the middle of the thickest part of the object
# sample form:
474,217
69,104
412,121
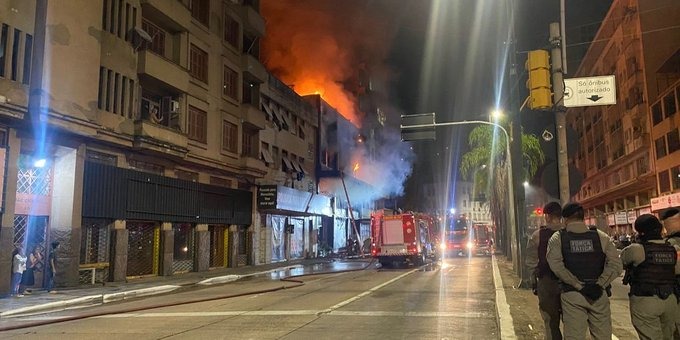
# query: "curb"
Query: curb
505,323
101,299
54,306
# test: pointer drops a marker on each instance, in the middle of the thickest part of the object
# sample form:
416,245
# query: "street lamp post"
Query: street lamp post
514,240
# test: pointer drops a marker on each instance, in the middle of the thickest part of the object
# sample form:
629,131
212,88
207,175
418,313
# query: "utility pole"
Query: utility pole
560,111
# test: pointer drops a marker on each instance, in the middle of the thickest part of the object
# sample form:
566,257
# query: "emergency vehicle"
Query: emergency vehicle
457,240
405,237
482,239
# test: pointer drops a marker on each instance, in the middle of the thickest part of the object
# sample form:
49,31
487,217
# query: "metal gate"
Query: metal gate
183,249
219,240
143,248
94,250
30,233
244,246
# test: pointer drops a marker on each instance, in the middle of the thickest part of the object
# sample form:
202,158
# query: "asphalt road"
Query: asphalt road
453,300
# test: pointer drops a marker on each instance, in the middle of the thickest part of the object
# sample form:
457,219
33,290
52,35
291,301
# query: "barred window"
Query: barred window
200,10
231,30
157,34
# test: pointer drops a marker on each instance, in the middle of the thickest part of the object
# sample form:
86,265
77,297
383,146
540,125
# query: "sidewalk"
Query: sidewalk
82,296
527,320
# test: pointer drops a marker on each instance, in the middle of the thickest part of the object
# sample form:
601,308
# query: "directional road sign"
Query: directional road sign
418,127
590,91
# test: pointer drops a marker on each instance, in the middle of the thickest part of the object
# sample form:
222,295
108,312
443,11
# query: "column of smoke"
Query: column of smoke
329,48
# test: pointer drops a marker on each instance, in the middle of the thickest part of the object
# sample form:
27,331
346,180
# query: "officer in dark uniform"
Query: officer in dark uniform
651,266
671,222
585,261
543,279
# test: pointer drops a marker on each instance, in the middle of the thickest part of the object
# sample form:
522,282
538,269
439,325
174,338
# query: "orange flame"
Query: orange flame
356,167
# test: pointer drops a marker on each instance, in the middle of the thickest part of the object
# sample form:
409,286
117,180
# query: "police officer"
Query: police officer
671,222
543,279
585,261
651,266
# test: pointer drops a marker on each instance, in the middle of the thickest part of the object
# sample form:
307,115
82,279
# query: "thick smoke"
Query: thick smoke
334,49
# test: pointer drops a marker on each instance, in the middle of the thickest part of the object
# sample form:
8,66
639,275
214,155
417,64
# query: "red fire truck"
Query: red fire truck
457,240
482,239
406,237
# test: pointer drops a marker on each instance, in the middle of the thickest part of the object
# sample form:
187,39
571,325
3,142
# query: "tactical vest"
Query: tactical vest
583,255
656,274
544,235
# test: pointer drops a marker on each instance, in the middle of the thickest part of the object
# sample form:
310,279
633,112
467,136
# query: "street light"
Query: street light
514,240
526,184
497,114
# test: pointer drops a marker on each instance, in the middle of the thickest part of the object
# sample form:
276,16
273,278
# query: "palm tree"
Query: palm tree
488,148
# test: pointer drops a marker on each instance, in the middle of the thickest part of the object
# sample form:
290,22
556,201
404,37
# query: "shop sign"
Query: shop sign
631,217
643,211
666,201
266,197
621,217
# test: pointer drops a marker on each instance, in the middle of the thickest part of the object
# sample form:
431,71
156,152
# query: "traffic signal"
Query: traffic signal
538,212
538,67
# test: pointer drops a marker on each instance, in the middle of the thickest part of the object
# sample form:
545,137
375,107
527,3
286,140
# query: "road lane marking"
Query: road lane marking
357,297
471,315
502,308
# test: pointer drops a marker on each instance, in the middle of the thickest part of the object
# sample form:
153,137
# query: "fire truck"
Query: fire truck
482,239
405,237
457,240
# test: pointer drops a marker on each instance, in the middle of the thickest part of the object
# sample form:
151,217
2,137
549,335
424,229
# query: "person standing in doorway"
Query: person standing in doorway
18,268
585,261
651,266
545,283
671,222
52,268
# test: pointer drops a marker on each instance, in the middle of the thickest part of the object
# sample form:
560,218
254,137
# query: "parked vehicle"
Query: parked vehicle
406,237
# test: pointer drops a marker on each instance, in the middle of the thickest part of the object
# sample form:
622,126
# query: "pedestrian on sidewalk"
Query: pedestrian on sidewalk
671,222
651,266
585,261
51,271
28,279
544,282
18,268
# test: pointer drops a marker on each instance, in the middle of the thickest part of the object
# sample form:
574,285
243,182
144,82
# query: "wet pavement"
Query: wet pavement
84,296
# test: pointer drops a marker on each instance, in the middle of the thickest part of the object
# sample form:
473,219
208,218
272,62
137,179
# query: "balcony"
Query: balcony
252,20
253,116
172,14
161,139
253,165
154,66
254,67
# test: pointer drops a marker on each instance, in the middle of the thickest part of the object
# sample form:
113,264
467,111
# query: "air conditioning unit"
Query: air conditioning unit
169,105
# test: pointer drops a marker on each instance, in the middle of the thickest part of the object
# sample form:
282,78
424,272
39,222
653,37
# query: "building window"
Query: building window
197,125
657,114
101,158
118,19
198,64
250,142
147,167
664,182
3,47
675,177
230,83
115,93
231,30
200,10
660,147
28,51
669,106
186,175
229,136
157,44
15,53
673,141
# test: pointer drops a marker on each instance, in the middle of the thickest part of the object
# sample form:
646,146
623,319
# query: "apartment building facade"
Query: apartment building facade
137,136
615,151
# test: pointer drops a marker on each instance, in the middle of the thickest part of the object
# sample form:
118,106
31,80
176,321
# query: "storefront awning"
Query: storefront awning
268,110
296,165
267,156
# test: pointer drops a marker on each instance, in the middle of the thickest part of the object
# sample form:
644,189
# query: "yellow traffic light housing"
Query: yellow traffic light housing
538,67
